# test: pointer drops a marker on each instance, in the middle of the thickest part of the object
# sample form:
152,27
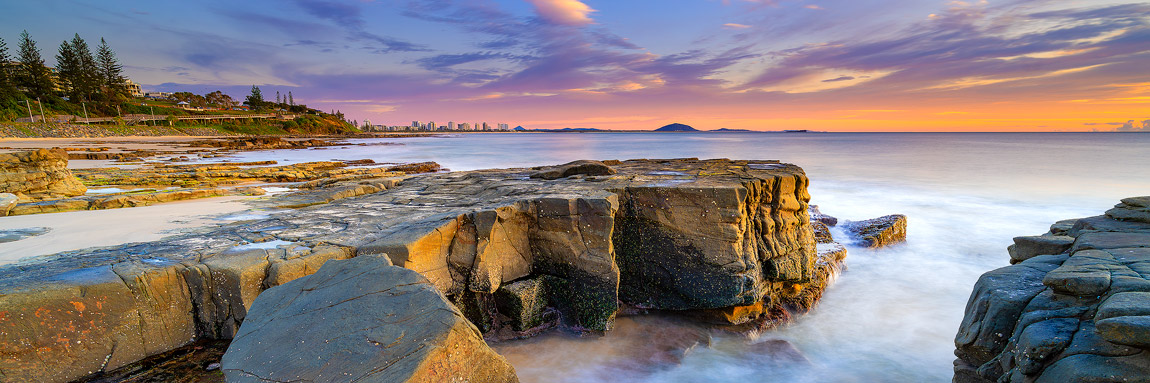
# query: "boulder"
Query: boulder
878,232
524,302
1029,246
38,175
822,232
581,167
378,323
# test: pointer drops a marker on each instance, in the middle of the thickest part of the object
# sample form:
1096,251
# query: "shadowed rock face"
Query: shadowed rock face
38,175
736,234
1074,307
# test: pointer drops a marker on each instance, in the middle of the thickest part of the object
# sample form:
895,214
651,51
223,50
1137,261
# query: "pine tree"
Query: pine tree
7,83
33,75
291,101
256,99
67,68
278,99
86,80
112,81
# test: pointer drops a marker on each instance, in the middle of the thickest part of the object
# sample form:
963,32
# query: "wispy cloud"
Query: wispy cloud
735,26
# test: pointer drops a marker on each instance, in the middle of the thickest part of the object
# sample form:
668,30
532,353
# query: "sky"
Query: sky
830,65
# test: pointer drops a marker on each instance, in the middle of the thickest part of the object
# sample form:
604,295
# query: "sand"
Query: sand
91,228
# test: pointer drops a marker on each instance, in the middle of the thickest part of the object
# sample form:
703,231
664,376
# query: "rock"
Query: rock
525,302
684,234
1132,209
38,175
7,202
583,167
878,232
817,215
18,234
1127,330
1088,320
1027,247
822,232
779,351
1130,303
412,334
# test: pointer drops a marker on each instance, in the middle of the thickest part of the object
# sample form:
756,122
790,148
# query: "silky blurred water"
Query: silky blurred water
892,315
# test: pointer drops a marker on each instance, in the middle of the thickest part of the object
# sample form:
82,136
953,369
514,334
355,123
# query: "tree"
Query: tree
33,75
291,101
278,99
113,84
87,76
77,69
7,84
220,99
256,99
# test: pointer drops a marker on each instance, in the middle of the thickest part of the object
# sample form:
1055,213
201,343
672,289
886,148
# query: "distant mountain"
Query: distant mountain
677,127
519,128
729,130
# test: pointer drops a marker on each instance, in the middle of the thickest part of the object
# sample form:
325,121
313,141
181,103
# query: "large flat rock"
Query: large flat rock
360,320
680,234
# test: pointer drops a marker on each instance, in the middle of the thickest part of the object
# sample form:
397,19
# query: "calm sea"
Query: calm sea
893,313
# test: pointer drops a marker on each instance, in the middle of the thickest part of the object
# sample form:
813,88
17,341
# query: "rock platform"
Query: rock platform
1074,306
731,239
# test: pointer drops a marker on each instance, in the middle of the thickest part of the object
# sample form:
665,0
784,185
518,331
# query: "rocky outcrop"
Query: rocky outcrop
380,323
38,175
1073,307
877,232
7,202
730,239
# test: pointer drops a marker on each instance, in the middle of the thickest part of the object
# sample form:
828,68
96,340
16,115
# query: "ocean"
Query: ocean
892,314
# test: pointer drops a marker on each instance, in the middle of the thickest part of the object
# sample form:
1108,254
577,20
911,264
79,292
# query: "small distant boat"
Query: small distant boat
795,131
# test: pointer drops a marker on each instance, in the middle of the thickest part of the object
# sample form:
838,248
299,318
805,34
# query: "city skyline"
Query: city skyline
890,65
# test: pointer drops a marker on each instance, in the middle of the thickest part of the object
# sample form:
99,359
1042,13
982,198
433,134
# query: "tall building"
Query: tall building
464,126
431,125
486,127
415,124
451,125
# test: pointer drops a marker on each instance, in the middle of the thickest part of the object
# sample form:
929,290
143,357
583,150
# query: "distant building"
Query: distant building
451,125
134,89
464,126
415,124
486,127
431,125
158,95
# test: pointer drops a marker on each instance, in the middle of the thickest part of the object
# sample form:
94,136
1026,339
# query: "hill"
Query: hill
676,127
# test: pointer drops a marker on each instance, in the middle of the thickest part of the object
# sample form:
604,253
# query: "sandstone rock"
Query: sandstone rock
878,232
37,175
1027,247
736,233
583,167
822,232
380,323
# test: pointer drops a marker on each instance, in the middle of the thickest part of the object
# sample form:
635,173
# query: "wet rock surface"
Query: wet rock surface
878,232
1073,307
737,232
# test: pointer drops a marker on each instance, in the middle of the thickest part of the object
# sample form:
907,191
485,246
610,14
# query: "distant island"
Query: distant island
676,127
